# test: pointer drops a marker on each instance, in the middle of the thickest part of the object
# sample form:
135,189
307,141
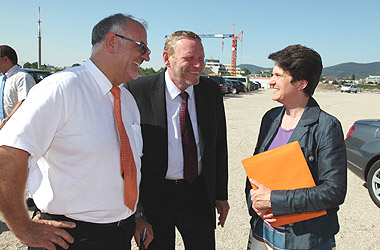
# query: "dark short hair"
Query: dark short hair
302,63
108,24
7,51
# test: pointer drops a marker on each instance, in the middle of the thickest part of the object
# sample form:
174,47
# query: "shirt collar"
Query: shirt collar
102,81
173,90
12,71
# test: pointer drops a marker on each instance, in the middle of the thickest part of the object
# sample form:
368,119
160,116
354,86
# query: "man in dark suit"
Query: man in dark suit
173,196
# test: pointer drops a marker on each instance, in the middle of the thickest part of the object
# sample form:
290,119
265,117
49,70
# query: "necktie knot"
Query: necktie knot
115,92
184,95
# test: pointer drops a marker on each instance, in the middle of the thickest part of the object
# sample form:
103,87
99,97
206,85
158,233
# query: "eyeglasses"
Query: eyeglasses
142,46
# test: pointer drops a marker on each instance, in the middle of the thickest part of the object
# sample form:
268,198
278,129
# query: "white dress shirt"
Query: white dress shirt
67,126
175,152
16,88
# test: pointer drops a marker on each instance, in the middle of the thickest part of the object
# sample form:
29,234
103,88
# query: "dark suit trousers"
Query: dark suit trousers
97,236
186,207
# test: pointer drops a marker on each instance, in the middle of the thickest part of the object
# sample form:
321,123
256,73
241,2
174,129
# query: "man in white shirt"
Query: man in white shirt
17,84
68,127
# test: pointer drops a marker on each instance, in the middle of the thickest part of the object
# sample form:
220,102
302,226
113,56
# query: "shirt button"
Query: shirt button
311,158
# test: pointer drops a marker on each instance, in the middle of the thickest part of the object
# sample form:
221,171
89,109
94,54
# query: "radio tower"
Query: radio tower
39,38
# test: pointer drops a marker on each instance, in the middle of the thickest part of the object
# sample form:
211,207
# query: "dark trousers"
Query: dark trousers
186,207
115,236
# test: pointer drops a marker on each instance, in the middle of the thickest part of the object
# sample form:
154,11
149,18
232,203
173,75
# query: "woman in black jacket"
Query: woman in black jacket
296,74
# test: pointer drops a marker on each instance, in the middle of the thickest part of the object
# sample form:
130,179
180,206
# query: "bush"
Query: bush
369,86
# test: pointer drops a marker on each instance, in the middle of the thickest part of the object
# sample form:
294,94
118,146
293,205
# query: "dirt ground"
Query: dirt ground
358,216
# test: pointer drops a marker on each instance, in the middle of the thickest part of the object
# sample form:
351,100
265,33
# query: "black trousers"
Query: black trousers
186,207
115,236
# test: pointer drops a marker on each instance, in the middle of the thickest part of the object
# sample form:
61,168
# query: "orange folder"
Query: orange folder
282,168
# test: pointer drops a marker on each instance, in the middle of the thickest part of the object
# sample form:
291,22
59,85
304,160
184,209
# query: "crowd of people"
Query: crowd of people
105,163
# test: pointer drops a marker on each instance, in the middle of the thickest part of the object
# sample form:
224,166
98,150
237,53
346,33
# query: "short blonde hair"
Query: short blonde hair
176,36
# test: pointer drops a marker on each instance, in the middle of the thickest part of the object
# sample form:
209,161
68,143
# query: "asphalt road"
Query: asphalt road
358,216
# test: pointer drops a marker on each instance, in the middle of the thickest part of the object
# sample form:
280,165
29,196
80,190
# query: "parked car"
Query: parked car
258,84
252,86
346,87
221,81
363,154
229,87
37,74
243,79
237,86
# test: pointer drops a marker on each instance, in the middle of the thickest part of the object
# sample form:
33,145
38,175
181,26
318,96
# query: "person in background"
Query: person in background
84,132
184,166
296,74
15,84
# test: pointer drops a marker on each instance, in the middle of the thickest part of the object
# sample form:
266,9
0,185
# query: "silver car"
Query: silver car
349,88
363,154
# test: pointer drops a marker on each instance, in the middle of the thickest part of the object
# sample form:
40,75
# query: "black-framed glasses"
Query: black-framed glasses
142,46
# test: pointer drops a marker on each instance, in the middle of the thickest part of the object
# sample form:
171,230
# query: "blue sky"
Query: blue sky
340,30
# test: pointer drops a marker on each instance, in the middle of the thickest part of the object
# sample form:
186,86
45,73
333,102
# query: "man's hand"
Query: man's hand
222,207
141,225
261,201
13,178
46,233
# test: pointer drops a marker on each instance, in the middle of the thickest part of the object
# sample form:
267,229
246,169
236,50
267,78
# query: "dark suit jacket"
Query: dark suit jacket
149,93
321,139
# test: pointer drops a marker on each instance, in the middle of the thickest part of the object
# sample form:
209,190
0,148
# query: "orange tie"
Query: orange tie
127,163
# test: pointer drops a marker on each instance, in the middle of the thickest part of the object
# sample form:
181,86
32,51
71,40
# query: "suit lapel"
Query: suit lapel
202,111
273,126
309,116
158,102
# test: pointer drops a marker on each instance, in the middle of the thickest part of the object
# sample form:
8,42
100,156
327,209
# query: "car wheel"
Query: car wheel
373,182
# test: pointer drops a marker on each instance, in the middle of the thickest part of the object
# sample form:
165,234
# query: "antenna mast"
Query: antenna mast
39,38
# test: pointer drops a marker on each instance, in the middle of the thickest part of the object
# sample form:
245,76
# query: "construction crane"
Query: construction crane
234,44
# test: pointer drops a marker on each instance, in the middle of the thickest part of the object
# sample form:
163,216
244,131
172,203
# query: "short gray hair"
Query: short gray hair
114,23
176,36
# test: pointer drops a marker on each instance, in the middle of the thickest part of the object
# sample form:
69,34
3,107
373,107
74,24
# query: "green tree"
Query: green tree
353,77
27,65
147,71
246,72
43,67
75,64
34,65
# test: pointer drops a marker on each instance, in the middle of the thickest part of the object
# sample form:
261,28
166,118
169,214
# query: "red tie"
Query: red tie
127,163
190,157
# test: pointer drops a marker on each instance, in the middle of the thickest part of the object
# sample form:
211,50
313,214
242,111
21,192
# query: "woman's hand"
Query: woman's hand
261,201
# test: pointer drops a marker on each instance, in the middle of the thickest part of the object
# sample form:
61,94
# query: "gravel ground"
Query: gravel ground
357,216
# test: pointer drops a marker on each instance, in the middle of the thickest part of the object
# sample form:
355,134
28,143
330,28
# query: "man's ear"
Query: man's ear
166,57
110,41
302,84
